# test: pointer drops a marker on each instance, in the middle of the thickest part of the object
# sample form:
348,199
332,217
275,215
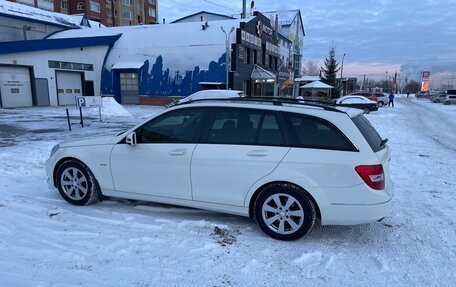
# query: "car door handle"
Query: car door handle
178,152
258,153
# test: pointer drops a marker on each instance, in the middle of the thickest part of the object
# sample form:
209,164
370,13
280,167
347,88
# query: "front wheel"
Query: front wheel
381,104
285,212
446,103
76,183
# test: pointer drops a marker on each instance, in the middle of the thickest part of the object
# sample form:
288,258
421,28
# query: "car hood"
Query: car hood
89,141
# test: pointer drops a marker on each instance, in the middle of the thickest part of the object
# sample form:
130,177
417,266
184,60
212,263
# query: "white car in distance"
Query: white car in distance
281,162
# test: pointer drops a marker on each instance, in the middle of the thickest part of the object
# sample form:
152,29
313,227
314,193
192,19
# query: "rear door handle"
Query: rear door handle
258,153
178,152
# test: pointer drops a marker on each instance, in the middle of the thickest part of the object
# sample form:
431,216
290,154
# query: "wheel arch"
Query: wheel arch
257,192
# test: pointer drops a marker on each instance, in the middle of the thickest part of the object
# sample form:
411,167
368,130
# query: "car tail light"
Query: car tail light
372,175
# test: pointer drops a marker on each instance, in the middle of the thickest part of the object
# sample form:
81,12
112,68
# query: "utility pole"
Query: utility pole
244,9
227,54
341,73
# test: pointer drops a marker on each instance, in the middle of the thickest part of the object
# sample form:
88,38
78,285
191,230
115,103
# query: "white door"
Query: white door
241,147
159,164
15,88
69,85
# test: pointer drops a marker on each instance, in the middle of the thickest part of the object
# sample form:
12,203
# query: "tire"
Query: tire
381,104
446,103
76,183
437,101
366,110
284,211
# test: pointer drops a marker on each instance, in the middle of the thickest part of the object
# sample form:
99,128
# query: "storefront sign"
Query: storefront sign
261,28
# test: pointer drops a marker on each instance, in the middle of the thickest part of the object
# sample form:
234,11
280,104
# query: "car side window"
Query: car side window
270,133
312,132
179,126
234,126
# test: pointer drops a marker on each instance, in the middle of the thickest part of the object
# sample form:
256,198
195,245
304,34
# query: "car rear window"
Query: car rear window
369,132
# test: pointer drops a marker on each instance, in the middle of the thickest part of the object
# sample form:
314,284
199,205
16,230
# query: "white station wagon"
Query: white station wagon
280,162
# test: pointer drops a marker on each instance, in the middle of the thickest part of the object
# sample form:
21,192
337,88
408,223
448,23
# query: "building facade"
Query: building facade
141,66
107,12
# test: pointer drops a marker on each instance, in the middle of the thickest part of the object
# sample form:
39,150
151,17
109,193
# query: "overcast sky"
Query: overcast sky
377,36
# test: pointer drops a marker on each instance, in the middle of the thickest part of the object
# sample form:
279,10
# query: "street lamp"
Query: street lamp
341,73
227,54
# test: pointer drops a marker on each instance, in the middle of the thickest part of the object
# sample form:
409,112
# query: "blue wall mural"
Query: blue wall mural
160,82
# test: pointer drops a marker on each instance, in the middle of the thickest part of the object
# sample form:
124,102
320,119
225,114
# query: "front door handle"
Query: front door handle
258,153
178,152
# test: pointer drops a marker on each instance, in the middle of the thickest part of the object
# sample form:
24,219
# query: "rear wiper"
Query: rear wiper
383,142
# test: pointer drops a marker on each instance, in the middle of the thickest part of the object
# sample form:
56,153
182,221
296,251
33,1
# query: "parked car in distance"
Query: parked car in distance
358,102
280,162
438,98
423,94
450,99
212,94
382,99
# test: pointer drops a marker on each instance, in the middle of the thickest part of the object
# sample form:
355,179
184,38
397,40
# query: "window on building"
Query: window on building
152,12
64,4
126,2
276,63
152,2
94,6
129,81
108,13
247,56
270,61
115,13
127,15
80,6
255,56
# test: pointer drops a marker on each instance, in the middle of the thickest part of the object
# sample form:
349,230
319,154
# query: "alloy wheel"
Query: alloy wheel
282,213
74,183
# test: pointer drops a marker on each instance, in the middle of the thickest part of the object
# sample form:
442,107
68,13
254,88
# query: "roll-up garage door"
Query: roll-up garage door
15,88
69,85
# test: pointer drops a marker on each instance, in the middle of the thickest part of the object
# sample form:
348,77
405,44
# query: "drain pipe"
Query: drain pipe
26,28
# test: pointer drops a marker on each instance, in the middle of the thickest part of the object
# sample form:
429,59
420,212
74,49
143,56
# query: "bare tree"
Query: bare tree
310,69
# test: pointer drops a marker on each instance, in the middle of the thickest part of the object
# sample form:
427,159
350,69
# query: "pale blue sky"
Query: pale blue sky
377,36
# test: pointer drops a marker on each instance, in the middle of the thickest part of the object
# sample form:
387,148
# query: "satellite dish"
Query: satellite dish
252,4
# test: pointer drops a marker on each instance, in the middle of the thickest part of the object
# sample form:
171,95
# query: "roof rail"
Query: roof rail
275,101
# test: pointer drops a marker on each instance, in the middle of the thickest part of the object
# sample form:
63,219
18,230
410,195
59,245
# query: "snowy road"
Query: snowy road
46,242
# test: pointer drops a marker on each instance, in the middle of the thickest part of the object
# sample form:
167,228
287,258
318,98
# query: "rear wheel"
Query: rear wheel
437,101
76,183
285,212
366,110
381,104
446,103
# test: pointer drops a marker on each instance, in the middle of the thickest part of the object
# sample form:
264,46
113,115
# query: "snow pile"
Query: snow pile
111,108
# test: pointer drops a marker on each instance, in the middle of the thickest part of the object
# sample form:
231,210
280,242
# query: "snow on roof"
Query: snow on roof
316,85
307,79
203,12
128,65
36,14
285,17
171,41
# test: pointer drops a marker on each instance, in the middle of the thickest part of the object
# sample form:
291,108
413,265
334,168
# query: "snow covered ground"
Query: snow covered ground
45,241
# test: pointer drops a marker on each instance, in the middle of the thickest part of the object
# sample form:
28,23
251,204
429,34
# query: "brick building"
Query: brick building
108,12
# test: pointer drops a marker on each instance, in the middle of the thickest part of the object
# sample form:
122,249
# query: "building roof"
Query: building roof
50,44
225,17
149,42
316,85
258,73
20,11
286,17
308,79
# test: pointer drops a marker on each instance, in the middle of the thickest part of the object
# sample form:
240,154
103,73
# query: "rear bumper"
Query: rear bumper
345,214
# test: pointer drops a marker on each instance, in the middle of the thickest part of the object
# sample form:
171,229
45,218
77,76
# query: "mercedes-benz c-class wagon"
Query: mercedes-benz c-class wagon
282,163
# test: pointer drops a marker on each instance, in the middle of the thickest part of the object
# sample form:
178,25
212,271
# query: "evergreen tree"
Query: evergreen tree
330,70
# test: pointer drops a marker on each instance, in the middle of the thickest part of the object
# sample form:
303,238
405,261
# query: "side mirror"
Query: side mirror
131,139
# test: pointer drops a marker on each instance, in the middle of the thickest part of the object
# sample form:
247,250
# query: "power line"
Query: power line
223,6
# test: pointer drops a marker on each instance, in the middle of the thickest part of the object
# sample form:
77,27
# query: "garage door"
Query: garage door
15,88
69,85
